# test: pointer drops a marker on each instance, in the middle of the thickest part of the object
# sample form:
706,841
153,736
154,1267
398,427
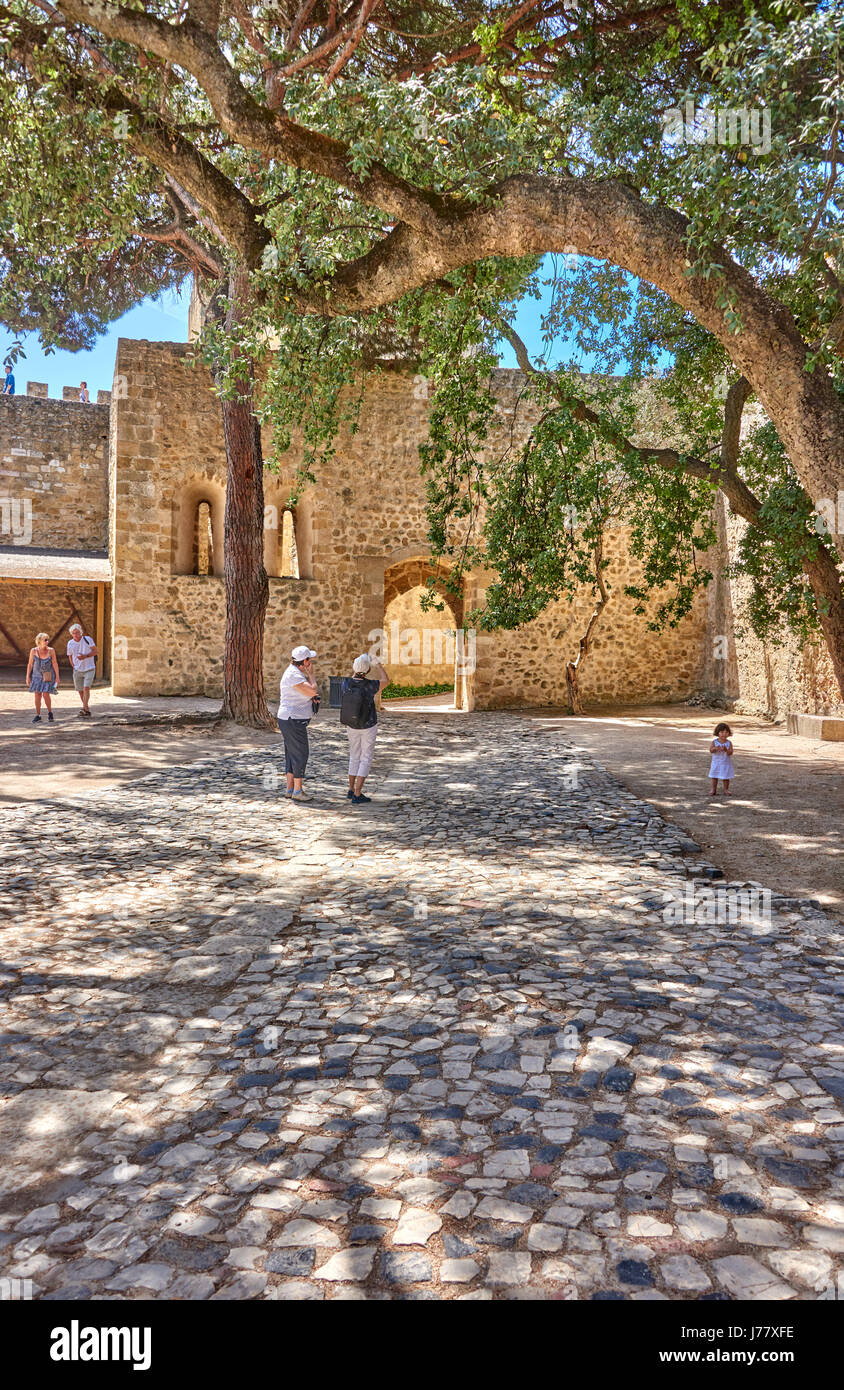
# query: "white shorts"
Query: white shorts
361,749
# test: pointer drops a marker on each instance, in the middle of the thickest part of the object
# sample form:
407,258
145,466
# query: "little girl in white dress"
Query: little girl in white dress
721,765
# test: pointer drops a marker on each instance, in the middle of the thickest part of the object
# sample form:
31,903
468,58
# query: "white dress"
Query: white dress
722,761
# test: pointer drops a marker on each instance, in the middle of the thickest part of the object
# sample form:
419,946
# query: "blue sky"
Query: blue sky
162,320
166,320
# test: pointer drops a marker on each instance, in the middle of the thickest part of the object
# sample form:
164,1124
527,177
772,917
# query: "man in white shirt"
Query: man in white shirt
82,655
298,689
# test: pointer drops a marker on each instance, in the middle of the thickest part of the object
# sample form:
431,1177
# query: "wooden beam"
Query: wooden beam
72,614
99,619
10,639
50,579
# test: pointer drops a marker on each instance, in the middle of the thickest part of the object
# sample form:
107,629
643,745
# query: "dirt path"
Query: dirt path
782,826
43,761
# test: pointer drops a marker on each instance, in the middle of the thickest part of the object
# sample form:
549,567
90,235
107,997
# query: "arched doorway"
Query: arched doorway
419,645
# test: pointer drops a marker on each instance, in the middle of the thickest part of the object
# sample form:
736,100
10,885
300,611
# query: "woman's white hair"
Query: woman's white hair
362,664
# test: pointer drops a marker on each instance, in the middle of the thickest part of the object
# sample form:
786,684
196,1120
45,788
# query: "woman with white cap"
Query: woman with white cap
358,714
298,691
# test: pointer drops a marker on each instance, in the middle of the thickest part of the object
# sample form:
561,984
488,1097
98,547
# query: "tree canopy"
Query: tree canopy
360,168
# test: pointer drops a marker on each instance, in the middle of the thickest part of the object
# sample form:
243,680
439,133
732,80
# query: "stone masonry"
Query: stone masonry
29,608
133,477
55,454
363,518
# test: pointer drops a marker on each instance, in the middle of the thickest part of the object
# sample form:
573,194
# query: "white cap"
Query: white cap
362,664
302,653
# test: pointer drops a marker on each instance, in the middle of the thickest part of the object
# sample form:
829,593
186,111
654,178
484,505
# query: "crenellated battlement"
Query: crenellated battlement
40,391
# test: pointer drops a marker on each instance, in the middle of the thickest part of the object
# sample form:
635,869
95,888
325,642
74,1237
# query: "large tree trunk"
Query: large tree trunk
247,589
825,581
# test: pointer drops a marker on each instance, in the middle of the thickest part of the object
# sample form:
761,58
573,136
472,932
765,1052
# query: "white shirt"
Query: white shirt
78,654
293,703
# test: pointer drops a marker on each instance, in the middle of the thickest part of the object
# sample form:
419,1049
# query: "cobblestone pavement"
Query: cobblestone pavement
443,1046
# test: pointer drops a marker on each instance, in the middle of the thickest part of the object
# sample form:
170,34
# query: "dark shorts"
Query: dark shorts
296,747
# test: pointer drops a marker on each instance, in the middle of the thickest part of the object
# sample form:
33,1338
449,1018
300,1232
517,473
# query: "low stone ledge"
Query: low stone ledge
823,726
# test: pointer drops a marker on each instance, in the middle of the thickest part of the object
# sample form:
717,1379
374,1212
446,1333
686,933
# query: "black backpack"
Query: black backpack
355,705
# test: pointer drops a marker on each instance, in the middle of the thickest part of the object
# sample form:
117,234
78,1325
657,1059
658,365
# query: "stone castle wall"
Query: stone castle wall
361,542
363,519
746,674
626,663
365,515
54,458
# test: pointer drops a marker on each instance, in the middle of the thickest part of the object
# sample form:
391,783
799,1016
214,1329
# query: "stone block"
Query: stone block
37,388
820,726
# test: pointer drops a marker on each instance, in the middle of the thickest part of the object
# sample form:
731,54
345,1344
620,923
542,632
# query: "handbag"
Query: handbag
315,704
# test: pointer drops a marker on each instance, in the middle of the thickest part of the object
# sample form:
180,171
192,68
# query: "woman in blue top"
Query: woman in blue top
358,714
42,675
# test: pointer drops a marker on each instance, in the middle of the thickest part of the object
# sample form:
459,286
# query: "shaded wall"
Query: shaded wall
746,674
32,606
415,638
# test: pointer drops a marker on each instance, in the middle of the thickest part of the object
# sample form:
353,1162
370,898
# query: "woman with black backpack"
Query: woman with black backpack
358,714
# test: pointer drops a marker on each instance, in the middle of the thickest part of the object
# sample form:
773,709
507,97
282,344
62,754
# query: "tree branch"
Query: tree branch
738,494
148,134
175,234
245,120
731,434
609,221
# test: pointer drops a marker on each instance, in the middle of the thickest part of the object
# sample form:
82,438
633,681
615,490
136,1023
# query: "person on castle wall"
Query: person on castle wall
83,392
42,676
82,655
721,765
360,717
9,380
298,701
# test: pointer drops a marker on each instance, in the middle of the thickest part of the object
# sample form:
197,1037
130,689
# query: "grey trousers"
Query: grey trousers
296,746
